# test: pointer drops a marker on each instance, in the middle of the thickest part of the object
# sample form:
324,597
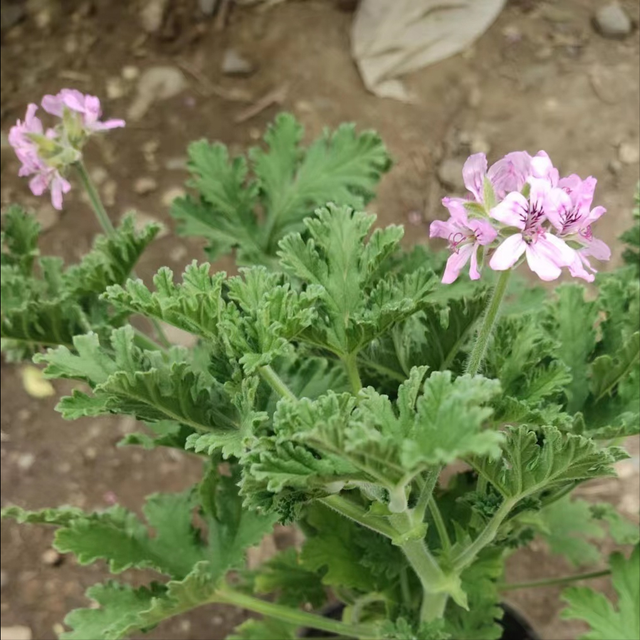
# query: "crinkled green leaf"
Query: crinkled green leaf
605,620
118,611
532,462
571,321
622,530
285,182
293,584
356,305
568,526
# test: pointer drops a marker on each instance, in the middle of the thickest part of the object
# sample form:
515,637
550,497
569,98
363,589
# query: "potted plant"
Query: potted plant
337,381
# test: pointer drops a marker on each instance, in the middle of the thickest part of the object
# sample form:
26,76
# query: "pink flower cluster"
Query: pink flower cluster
45,155
520,208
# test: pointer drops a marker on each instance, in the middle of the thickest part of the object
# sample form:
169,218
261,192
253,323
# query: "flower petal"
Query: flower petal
541,263
483,230
474,272
53,105
510,173
512,210
598,249
557,208
542,167
508,253
456,208
456,261
577,269
442,229
473,173
556,249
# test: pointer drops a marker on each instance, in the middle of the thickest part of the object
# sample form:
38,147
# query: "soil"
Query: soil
540,78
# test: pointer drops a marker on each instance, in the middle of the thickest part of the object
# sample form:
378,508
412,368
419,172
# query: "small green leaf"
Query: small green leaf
606,621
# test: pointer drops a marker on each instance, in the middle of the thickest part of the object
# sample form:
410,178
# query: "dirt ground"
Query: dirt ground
540,78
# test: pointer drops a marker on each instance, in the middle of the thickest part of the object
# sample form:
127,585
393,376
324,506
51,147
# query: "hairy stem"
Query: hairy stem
351,365
292,616
549,582
488,323
486,537
94,199
440,525
276,382
427,486
107,227
355,512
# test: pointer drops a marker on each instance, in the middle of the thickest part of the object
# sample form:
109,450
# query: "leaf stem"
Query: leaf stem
488,322
549,582
486,536
293,616
276,382
108,228
440,525
351,364
355,512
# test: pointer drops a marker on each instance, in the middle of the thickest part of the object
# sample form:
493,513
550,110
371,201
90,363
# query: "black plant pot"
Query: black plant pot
514,624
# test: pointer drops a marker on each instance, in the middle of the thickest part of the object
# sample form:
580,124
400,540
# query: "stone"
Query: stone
156,83
207,7
171,194
115,88
142,219
99,175
152,14
51,558
4,579
17,632
178,336
612,21
130,72
233,64
629,153
450,174
25,461
109,190
145,185
177,163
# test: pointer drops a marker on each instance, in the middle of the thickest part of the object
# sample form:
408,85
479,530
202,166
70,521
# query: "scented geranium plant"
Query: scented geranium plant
416,425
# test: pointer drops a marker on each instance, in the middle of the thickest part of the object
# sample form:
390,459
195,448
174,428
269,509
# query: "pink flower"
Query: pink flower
569,211
545,253
28,152
465,237
85,105
506,175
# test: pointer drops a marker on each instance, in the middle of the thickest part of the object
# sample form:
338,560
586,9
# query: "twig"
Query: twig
275,96
223,15
208,88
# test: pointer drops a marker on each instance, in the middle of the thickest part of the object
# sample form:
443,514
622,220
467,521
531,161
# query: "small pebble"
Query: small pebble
15,633
51,558
145,185
26,461
130,72
115,88
450,174
612,21
629,153
171,194
233,64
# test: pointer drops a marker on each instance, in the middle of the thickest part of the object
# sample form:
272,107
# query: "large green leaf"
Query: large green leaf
285,182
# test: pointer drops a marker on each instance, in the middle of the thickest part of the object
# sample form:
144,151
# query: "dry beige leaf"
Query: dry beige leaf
389,39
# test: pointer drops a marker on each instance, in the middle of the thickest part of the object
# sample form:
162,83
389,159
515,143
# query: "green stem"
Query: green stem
549,582
108,228
292,616
94,199
351,364
355,512
276,382
145,342
440,526
427,487
486,536
488,322
431,577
